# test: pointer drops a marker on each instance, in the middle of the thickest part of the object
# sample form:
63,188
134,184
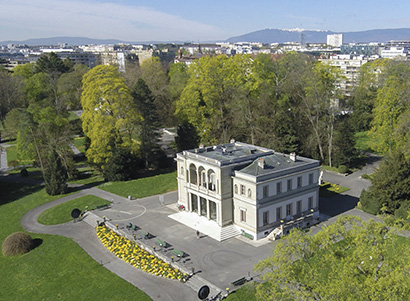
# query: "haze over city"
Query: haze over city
213,20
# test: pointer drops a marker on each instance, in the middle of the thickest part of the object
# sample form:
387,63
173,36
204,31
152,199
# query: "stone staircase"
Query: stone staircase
205,226
91,219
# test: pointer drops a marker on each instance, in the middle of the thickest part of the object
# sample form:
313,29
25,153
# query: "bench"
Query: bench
105,206
178,253
239,281
144,234
161,243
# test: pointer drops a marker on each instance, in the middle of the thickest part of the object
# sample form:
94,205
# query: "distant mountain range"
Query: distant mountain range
263,36
77,41
319,36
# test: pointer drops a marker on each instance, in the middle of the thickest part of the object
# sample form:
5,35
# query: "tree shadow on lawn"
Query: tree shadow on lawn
337,204
12,191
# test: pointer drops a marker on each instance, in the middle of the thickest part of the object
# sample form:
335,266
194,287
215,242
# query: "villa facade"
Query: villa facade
257,190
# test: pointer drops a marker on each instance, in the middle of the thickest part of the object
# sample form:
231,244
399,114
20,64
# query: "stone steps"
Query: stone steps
91,219
205,226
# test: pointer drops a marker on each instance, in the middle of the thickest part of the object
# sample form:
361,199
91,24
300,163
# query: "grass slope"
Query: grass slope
58,268
144,187
62,213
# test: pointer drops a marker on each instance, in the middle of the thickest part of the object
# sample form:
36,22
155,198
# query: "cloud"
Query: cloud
21,19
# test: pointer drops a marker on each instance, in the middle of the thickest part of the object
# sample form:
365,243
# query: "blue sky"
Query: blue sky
170,20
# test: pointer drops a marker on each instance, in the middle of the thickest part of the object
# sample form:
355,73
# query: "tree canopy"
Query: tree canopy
108,112
348,260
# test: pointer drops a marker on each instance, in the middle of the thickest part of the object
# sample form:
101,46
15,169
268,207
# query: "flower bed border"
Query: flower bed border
137,255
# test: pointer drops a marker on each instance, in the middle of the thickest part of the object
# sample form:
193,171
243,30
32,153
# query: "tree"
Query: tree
392,101
154,76
149,126
55,174
50,63
69,87
122,165
109,115
187,137
206,98
320,110
390,188
365,94
10,93
347,260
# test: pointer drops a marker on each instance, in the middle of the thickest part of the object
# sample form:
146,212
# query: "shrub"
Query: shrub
342,169
24,173
13,163
17,243
366,176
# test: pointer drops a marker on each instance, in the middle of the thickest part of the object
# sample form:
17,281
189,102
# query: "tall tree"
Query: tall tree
109,115
206,98
10,93
392,101
55,174
50,63
155,77
149,126
390,188
365,94
320,107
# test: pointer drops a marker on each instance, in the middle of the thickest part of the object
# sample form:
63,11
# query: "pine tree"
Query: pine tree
55,174
149,127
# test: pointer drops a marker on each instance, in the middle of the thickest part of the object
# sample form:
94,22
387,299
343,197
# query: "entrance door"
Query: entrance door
194,203
204,208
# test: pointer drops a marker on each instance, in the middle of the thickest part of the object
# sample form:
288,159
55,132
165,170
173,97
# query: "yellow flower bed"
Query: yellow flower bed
134,255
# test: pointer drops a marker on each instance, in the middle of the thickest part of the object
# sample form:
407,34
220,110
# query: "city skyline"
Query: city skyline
189,21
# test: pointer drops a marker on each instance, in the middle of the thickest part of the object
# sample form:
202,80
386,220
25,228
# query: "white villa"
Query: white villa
247,189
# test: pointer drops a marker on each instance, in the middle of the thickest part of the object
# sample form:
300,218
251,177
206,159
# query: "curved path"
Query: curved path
84,235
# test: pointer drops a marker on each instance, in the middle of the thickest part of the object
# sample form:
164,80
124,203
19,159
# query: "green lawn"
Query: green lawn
62,213
13,159
246,292
327,189
143,187
58,268
363,142
79,143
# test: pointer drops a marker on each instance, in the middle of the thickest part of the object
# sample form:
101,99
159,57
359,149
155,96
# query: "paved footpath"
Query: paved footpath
157,288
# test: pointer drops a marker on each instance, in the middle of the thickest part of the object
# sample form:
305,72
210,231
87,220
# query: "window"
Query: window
278,187
243,215
299,181
266,218
242,189
265,191
288,209
278,213
249,193
311,178
298,207
310,203
236,189
289,184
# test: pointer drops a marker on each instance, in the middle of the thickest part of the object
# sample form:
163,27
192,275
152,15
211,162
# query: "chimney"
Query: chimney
201,146
292,156
232,140
261,163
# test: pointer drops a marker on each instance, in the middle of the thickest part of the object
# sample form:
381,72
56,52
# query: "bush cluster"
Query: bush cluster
17,243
